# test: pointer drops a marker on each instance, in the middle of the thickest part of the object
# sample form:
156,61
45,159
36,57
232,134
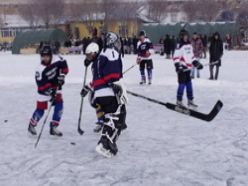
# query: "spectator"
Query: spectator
216,52
205,45
167,46
197,50
173,45
135,42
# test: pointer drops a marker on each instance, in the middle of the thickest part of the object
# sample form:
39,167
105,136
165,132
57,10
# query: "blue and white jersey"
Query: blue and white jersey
145,48
46,76
106,69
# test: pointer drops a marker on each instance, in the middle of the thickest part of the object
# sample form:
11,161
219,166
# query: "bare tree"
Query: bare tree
202,10
86,12
49,11
242,17
28,13
1,22
157,10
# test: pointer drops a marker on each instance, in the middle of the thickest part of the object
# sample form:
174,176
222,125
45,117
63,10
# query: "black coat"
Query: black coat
216,50
167,45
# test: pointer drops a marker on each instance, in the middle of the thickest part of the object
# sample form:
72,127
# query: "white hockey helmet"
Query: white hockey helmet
92,48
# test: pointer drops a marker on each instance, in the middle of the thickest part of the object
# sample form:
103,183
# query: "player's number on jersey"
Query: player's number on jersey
37,76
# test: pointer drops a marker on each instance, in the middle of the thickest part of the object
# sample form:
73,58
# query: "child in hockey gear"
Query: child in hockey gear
144,49
50,77
92,53
107,71
184,60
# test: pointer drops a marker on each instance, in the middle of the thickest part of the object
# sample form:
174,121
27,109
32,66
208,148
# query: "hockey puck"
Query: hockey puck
73,143
5,121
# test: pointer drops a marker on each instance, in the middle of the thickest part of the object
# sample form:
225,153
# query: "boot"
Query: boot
106,148
99,126
143,81
31,129
180,103
54,131
192,105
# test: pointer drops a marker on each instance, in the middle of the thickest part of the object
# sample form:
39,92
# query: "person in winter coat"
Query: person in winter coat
216,52
167,46
197,49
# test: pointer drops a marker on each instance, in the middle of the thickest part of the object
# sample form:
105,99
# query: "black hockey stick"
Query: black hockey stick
80,131
44,123
129,68
183,110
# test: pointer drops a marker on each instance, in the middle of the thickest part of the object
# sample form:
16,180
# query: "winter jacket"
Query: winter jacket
197,47
216,50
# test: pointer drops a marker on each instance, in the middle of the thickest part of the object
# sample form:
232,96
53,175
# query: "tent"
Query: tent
158,31
35,37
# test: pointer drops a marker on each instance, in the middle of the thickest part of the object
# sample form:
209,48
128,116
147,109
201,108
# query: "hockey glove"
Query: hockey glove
85,91
180,68
87,62
198,65
138,61
52,92
61,80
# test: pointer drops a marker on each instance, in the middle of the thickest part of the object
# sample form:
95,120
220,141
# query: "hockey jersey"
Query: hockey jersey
144,48
46,76
184,55
106,70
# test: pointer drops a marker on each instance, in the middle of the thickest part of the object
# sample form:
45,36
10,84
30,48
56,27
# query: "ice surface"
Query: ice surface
160,147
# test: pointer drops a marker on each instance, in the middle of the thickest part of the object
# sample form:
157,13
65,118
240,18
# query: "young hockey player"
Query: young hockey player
144,50
50,77
92,53
108,98
184,60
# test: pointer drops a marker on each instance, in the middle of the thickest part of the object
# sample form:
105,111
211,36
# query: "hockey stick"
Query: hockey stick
80,131
130,68
208,64
44,123
211,64
183,110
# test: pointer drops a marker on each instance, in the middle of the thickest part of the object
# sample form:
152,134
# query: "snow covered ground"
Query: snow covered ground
160,147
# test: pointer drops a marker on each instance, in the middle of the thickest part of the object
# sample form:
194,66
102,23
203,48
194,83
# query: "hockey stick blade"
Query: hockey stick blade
189,112
80,131
205,117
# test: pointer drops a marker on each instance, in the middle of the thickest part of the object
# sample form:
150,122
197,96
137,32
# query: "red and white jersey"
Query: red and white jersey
184,55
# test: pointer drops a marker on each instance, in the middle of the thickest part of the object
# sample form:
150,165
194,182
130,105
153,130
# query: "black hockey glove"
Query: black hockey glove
52,92
87,62
85,91
198,65
180,68
61,79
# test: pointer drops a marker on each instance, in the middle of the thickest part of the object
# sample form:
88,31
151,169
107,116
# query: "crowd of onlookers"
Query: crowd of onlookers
77,46
5,46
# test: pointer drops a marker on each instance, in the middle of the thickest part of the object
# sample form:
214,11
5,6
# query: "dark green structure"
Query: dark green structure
158,31
35,37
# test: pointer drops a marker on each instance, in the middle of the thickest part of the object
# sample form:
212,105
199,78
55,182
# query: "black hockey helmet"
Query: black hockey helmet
46,50
142,33
112,40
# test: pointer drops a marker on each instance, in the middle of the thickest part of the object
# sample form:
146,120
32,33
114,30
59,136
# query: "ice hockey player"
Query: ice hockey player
184,61
109,95
50,77
144,50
